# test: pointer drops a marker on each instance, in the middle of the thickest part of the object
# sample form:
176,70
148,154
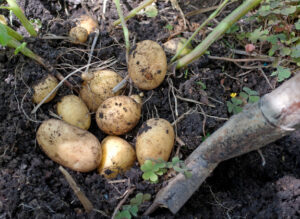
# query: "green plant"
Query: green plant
236,104
132,209
282,73
154,168
203,86
169,27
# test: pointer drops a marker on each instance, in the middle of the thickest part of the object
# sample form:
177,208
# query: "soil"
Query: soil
31,186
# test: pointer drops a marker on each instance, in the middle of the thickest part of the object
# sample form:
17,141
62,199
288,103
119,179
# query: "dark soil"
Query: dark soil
31,186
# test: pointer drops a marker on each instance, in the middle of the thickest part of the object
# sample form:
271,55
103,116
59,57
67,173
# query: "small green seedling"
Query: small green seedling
154,168
132,209
169,27
203,86
237,103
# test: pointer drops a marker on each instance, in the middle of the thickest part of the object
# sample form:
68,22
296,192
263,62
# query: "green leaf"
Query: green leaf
4,37
285,51
244,95
288,10
203,86
258,34
188,174
229,106
125,214
147,166
20,48
169,27
296,51
153,177
175,160
134,210
283,73
253,99
146,197
151,11
249,91
297,25
236,101
147,175
137,200
273,49
237,109
178,169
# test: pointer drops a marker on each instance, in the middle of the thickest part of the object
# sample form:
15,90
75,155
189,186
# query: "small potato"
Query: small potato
155,140
95,91
147,65
69,146
43,88
174,45
118,115
117,156
74,111
78,34
87,23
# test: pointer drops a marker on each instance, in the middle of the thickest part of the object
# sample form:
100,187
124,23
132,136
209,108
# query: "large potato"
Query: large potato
147,65
78,34
74,111
155,140
69,146
43,88
117,156
118,115
88,23
95,91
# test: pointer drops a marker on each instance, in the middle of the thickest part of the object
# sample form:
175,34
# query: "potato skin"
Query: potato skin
117,156
78,34
155,140
95,91
118,115
74,111
88,23
69,146
43,88
147,65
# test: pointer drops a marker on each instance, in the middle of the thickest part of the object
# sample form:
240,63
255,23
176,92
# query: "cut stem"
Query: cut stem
124,26
19,13
212,16
218,31
134,11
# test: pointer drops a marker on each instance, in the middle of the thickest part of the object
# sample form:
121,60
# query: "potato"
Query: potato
118,115
69,146
74,111
117,156
174,45
78,34
87,23
95,91
147,65
155,140
43,88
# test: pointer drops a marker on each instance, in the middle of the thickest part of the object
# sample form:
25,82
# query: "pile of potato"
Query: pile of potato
68,142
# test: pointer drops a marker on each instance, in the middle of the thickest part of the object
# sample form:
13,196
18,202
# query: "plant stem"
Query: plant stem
12,32
134,11
13,43
212,16
125,29
19,13
223,26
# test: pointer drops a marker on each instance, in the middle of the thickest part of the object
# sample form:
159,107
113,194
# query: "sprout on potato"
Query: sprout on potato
117,156
78,34
118,115
69,146
147,65
155,140
43,88
95,91
74,111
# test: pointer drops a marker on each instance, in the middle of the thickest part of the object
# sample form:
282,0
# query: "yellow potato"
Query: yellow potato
155,140
78,34
147,65
74,111
117,156
87,23
95,91
43,88
69,146
174,45
118,115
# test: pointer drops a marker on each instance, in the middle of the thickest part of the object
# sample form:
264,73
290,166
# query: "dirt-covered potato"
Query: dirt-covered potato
147,65
95,91
43,88
74,111
78,34
118,115
117,156
87,23
69,146
155,140
174,45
